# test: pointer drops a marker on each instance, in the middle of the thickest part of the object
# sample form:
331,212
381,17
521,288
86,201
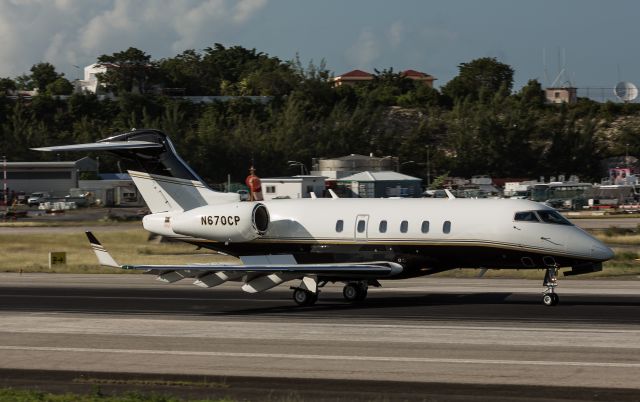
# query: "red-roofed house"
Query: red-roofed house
418,76
357,76
352,78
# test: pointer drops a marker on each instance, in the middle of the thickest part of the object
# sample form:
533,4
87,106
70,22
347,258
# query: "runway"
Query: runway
470,336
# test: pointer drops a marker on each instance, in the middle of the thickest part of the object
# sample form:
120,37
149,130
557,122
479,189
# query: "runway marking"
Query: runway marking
394,359
46,321
139,298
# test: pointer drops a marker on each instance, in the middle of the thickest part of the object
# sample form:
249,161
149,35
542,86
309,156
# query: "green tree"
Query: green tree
25,83
7,85
485,74
127,70
183,72
61,86
44,74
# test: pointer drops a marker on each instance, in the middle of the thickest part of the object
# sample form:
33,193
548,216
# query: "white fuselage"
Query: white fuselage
438,232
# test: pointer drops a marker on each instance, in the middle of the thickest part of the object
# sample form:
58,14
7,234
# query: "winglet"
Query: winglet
104,258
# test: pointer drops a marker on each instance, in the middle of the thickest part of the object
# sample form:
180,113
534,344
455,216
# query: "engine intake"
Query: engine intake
235,222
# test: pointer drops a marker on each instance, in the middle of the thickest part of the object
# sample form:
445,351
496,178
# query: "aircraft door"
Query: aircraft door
362,227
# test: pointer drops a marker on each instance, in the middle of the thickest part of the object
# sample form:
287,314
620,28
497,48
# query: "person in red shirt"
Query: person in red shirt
255,187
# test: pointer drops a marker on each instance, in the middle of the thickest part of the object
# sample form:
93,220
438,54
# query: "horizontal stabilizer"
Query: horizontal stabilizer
101,146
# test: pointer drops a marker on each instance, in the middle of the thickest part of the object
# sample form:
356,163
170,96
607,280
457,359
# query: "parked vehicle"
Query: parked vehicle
36,198
244,195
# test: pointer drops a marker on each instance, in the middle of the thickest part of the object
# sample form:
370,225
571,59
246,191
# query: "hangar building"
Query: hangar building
56,178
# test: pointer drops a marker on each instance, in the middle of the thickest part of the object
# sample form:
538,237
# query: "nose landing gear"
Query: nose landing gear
549,297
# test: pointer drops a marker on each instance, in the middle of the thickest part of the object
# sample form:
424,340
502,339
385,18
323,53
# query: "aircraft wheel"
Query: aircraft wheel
556,298
362,294
304,297
549,300
354,292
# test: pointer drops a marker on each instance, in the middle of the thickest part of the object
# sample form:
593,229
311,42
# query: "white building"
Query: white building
90,83
337,168
299,186
380,184
561,95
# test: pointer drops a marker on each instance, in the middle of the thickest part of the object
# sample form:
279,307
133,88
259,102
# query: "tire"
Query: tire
350,292
362,292
355,292
548,299
556,299
304,297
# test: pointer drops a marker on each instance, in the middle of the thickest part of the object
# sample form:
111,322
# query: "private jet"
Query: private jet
357,242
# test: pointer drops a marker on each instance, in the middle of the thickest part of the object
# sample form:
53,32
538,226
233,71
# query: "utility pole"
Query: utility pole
4,182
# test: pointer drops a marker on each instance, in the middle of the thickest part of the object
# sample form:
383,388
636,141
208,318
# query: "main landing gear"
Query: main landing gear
306,294
303,297
549,297
355,291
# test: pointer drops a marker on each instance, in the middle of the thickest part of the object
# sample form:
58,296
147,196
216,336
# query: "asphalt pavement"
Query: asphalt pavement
427,338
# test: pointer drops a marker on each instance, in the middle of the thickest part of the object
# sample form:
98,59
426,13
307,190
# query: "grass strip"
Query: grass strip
29,252
19,395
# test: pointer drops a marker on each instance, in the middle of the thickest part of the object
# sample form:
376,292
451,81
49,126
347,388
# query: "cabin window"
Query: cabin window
526,216
383,227
548,216
446,227
361,226
270,189
339,225
404,226
425,227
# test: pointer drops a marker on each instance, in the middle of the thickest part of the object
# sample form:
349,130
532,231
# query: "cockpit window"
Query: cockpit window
545,216
553,217
526,216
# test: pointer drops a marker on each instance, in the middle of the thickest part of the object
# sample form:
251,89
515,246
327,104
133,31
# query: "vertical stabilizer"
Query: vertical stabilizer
164,194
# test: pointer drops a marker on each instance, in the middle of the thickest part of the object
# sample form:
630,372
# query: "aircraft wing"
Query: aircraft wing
374,269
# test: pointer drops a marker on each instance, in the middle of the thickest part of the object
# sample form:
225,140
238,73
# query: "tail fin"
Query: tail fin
104,258
165,181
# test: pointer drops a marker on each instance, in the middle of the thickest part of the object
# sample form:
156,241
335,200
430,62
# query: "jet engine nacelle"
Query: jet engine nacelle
234,223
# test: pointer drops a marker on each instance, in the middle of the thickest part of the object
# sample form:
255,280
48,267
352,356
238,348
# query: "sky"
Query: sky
592,40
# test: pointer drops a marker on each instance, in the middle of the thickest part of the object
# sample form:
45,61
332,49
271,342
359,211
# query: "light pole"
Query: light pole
428,170
303,168
77,72
404,163
626,156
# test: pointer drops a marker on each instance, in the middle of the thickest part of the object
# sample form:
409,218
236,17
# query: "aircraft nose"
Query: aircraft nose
601,252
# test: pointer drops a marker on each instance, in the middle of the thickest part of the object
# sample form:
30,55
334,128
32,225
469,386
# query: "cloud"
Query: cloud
245,9
396,33
364,51
76,32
